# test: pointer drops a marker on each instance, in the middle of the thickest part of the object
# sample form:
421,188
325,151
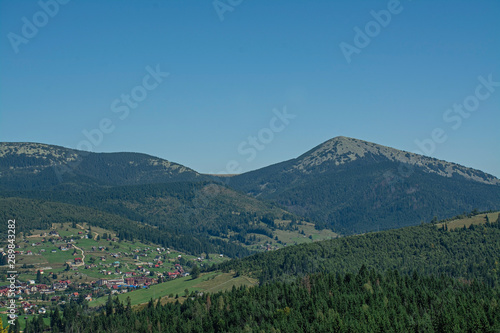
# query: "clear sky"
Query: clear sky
252,83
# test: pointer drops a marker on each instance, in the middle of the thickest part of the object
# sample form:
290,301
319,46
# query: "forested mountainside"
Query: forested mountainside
196,218
35,214
471,254
354,186
347,185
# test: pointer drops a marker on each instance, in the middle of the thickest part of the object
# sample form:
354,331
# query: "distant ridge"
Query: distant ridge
26,165
346,184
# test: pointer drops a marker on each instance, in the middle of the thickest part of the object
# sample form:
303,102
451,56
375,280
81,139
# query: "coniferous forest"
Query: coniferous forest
368,301
471,253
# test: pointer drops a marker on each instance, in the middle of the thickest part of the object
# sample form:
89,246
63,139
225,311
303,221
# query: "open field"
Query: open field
209,282
224,282
468,221
305,233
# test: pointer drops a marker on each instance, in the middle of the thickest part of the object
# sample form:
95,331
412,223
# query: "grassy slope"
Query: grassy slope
468,221
55,262
209,282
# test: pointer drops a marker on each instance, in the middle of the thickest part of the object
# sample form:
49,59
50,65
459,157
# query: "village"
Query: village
77,263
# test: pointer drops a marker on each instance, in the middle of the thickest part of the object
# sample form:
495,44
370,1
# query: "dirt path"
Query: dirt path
95,233
83,256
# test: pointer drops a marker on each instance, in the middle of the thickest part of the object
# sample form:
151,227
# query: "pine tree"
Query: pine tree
55,320
109,305
195,272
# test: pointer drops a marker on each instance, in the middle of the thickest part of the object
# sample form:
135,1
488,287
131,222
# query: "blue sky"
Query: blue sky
233,68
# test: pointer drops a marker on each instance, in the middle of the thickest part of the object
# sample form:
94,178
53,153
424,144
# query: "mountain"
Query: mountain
345,184
354,186
342,150
35,166
189,211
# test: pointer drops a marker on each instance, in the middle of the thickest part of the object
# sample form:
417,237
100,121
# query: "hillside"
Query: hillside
354,186
36,166
426,249
192,217
35,214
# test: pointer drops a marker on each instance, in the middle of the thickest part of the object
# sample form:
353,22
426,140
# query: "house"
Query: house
130,281
140,281
173,275
42,311
60,286
102,282
115,282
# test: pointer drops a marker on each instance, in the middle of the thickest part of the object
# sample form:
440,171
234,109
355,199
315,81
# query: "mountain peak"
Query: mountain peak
341,150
